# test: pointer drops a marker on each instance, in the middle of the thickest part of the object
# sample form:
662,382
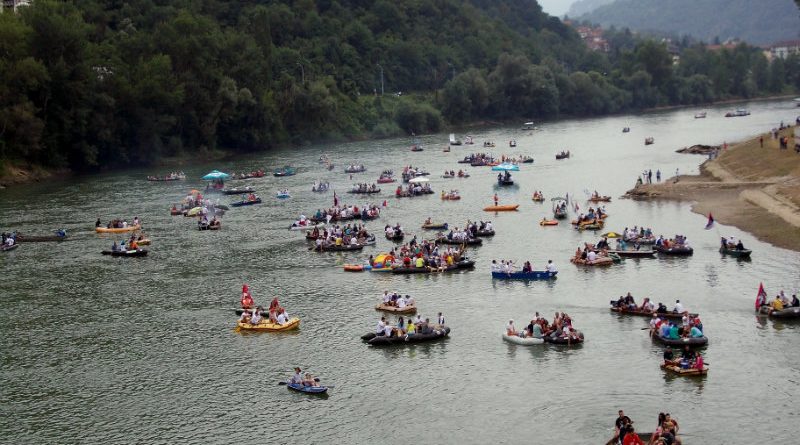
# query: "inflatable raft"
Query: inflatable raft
600,261
686,372
548,222
468,242
353,268
675,250
268,326
526,341
564,340
437,333
789,312
680,342
465,264
246,202
342,248
667,315
484,233
126,253
501,208
744,253
433,226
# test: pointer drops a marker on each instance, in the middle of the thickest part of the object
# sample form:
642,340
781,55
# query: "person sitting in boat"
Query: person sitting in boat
678,309
409,300
247,299
245,318
309,380
550,267
411,328
669,356
695,332
134,245
380,328
256,317
777,304
527,267
283,317
673,332
511,330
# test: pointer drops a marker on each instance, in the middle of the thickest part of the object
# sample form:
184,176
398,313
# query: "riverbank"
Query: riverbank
754,188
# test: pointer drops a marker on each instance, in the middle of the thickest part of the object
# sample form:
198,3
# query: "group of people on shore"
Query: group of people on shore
254,315
416,325
561,327
666,433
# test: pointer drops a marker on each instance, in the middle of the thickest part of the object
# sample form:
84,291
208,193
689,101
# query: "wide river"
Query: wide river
97,349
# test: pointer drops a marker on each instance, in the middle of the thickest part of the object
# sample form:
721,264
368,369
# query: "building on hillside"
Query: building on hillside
13,5
783,49
593,38
728,44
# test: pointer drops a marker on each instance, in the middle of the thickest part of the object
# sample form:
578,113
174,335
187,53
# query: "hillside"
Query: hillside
757,22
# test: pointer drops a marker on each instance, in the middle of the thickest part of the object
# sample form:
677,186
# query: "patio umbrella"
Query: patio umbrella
611,235
506,167
418,180
216,174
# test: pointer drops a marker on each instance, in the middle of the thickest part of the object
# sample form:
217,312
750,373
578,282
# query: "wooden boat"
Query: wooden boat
237,191
501,208
685,372
268,326
548,222
453,242
600,199
634,253
789,312
117,229
438,333
435,226
410,309
524,341
680,342
7,248
126,253
744,253
600,261
319,390
246,202
335,248
674,250
532,275
668,315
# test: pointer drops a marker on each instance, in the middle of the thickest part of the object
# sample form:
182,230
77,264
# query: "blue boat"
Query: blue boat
307,389
532,275
246,202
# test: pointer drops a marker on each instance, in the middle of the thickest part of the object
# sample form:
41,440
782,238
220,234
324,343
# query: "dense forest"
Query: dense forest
96,84
759,23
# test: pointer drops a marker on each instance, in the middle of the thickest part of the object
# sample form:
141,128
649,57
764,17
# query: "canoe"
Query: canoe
532,275
246,203
600,261
307,389
676,251
527,341
548,222
468,242
484,233
564,341
434,226
5,248
353,268
40,238
342,248
268,326
237,190
680,342
634,253
410,309
501,208
668,315
685,372
381,340
789,312
117,229
126,253
744,253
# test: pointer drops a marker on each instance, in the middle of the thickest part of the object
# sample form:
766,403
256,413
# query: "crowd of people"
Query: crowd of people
410,190
420,254
666,432
689,326
539,327
470,231
346,212
678,241
592,216
336,235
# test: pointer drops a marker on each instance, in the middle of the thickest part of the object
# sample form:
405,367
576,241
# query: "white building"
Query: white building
784,49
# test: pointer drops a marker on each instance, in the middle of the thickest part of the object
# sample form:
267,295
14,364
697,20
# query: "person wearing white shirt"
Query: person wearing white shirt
550,266
283,317
381,326
678,307
591,256
297,378
440,320
386,297
387,330
353,241
401,303
409,300
495,266
653,321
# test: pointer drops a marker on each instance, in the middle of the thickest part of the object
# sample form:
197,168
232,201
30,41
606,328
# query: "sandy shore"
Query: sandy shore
754,188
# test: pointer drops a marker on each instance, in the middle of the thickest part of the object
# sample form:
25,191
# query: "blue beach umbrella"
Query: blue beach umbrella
506,167
216,174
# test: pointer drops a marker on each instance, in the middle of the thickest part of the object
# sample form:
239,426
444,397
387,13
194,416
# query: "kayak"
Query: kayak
307,389
532,275
548,222
686,372
268,326
501,208
117,229
410,309
126,253
526,341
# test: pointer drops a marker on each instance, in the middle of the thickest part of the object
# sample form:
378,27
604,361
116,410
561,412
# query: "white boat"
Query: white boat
528,126
700,115
527,341
453,140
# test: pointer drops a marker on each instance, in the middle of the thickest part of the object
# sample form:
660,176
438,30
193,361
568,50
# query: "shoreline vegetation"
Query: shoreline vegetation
753,187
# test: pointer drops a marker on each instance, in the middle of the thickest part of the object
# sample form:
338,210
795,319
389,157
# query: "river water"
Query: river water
105,350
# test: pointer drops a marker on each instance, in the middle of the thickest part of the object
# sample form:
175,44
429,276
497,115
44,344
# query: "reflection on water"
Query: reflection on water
143,350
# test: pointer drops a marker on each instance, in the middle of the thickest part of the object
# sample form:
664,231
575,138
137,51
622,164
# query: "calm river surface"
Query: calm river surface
96,349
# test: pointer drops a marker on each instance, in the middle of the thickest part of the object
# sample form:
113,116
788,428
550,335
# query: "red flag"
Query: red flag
761,297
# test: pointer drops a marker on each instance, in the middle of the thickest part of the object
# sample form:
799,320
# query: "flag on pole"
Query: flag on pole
710,222
335,199
761,297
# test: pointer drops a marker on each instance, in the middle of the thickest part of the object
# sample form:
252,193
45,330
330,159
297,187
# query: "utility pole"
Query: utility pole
379,66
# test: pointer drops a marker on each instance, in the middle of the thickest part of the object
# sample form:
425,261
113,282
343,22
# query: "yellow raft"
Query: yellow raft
268,326
117,229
